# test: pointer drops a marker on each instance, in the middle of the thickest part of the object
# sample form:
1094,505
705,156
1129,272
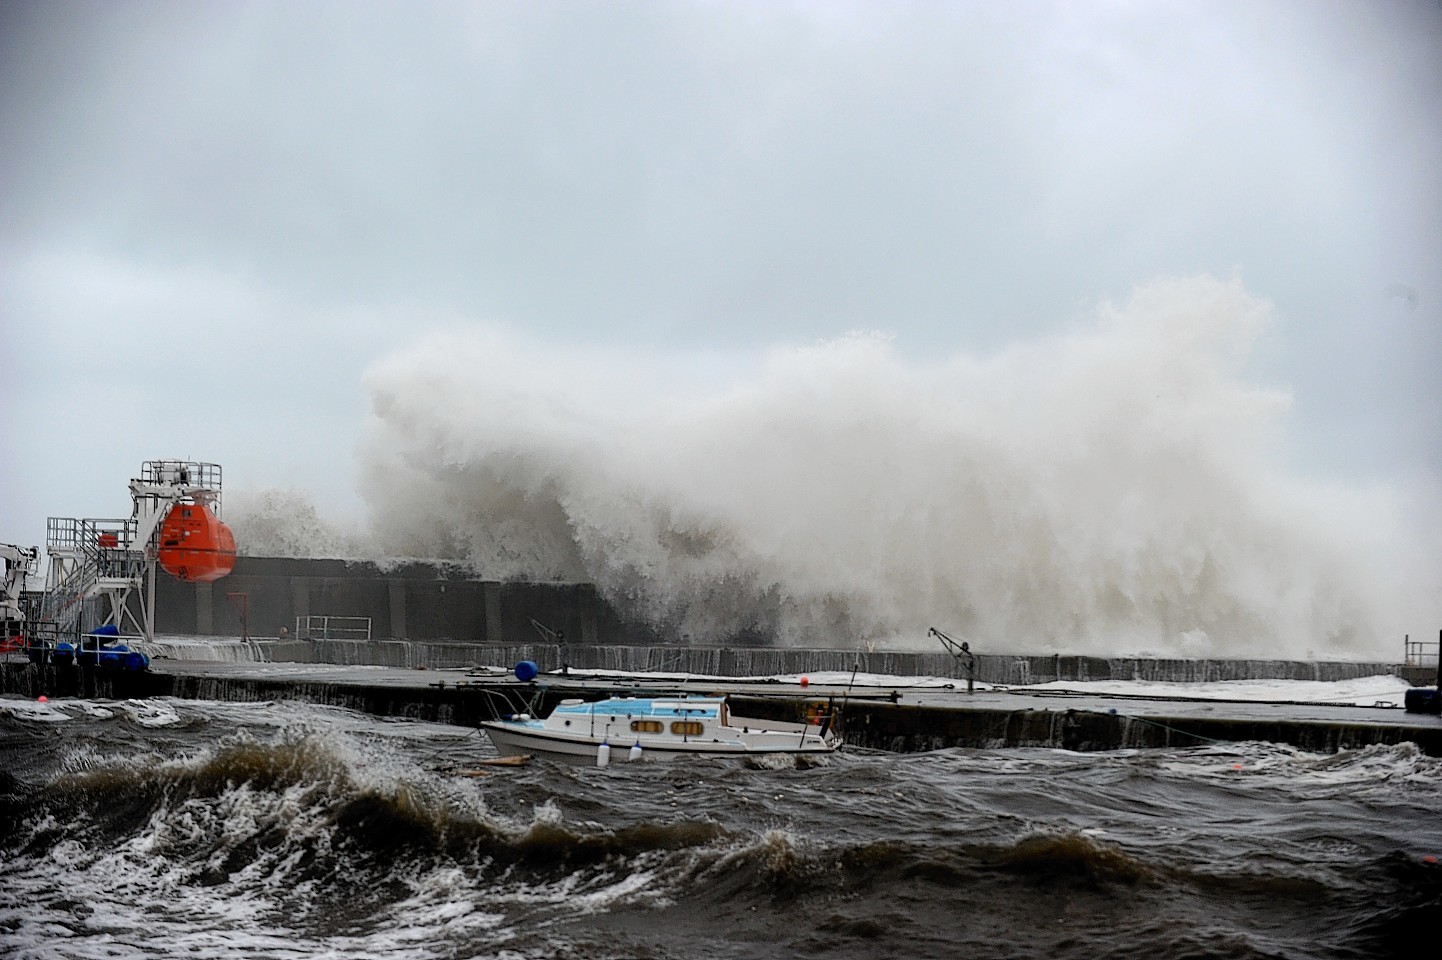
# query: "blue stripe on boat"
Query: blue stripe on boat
700,709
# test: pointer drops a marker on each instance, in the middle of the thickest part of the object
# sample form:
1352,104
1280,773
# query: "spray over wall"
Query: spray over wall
1115,489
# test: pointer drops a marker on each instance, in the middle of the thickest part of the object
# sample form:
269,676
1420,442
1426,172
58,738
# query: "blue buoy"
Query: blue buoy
526,670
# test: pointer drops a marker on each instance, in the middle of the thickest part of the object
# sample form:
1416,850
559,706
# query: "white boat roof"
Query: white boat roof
645,707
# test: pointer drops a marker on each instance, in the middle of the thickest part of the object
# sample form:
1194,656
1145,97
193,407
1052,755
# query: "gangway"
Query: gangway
102,571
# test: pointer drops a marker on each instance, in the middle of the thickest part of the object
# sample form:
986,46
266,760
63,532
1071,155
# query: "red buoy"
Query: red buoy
195,545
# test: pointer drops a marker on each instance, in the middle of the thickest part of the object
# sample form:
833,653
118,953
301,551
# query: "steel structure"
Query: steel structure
98,567
17,566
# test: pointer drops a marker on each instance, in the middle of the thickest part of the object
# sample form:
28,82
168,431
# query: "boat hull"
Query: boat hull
516,739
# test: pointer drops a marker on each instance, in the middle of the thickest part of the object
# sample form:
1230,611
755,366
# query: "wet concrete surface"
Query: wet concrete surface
891,717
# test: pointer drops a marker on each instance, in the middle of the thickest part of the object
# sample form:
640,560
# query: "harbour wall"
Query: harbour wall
905,728
431,614
415,600
710,661
872,723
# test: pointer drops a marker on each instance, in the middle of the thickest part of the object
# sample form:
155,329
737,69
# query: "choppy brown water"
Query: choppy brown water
205,829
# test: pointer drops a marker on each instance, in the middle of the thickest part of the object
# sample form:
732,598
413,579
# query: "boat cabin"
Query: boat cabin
642,717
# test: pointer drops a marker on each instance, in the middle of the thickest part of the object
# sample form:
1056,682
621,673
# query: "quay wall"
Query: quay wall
431,614
904,728
1004,669
417,600
870,723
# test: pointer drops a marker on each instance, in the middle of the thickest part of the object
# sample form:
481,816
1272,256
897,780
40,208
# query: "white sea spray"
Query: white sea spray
1119,487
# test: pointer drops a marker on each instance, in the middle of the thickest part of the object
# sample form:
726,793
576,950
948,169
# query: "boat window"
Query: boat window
686,728
645,726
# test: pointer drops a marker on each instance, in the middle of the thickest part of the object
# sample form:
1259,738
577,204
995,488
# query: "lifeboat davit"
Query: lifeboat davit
195,545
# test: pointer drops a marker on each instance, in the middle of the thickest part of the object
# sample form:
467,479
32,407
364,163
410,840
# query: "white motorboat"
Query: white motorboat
628,729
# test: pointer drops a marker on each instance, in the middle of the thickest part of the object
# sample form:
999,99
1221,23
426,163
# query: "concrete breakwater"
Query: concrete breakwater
1082,726
434,615
422,699
992,668
905,719
412,600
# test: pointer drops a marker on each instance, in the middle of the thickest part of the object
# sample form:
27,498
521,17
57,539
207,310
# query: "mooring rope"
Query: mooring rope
1170,729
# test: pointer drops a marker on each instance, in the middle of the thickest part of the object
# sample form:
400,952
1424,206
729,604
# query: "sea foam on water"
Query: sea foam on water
1116,488
276,830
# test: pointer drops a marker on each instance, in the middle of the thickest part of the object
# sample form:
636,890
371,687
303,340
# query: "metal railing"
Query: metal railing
333,628
91,539
84,553
63,603
183,472
1420,653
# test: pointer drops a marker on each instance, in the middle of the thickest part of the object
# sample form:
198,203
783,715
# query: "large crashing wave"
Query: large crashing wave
1112,489
285,523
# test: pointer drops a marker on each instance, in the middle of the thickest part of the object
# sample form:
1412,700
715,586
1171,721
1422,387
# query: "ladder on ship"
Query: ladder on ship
102,572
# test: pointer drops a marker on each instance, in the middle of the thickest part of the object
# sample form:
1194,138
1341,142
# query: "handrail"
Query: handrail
1415,651
332,628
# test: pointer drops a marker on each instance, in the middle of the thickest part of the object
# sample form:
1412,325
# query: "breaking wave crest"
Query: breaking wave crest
302,813
1115,489
276,830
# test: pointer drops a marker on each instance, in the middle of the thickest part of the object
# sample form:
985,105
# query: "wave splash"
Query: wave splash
1114,489
274,830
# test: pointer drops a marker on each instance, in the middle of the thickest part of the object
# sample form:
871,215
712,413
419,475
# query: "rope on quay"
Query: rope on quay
1184,733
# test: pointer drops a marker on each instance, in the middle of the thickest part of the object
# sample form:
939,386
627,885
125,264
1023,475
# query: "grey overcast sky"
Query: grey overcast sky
214,217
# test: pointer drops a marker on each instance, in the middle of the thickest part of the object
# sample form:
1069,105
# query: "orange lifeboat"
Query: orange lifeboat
195,545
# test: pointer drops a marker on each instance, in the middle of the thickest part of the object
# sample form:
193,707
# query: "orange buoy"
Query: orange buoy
195,545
